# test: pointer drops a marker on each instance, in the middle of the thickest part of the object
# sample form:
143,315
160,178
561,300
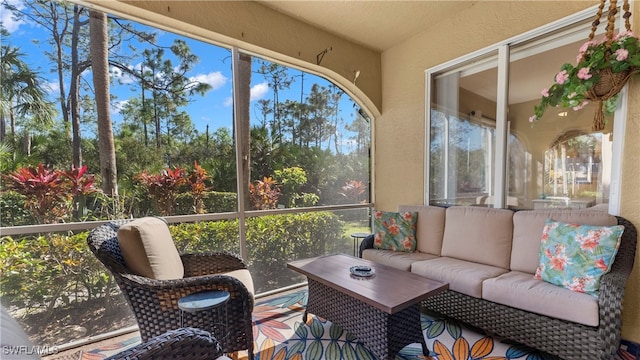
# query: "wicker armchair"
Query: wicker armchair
183,343
155,302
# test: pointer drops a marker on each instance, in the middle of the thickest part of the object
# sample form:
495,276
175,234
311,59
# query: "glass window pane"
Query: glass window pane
309,140
462,153
274,240
559,161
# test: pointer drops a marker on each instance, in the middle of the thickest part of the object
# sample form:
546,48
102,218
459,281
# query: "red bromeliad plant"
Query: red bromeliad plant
81,184
49,193
164,187
264,194
352,190
197,180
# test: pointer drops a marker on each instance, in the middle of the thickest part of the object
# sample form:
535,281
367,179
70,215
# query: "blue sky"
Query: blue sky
214,68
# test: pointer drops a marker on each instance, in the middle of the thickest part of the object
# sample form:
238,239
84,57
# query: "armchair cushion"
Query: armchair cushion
245,278
148,249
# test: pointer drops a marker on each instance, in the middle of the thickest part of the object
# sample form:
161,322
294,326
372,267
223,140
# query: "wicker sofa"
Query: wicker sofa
488,256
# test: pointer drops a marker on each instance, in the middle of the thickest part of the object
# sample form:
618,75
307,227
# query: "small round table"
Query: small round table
356,237
212,300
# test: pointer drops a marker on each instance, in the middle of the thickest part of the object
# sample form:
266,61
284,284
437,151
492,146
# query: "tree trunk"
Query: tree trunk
244,86
74,90
100,67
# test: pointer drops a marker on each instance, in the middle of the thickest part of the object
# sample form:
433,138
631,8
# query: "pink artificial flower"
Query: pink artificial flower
581,106
583,73
562,77
623,34
545,92
532,118
579,58
622,54
584,47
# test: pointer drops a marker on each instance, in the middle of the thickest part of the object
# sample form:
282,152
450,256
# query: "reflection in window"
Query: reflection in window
573,172
461,160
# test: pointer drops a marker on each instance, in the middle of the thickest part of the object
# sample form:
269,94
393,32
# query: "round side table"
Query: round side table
356,241
212,300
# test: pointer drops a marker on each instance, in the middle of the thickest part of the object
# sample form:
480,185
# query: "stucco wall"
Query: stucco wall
400,130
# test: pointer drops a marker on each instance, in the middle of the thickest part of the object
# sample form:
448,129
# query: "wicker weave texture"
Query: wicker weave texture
385,335
561,338
183,343
155,302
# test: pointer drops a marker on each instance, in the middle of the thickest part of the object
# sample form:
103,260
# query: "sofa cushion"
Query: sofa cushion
429,227
478,234
148,249
576,256
520,290
396,259
394,230
463,276
527,230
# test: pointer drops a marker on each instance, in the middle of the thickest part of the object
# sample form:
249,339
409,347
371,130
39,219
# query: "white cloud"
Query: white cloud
123,78
259,91
117,106
6,16
52,87
215,79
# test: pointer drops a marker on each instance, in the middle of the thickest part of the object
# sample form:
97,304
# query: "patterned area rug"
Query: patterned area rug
280,334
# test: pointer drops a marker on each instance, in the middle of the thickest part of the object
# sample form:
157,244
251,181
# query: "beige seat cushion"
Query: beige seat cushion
148,249
245,277
395,259
527,232
522,291
463,276
481,235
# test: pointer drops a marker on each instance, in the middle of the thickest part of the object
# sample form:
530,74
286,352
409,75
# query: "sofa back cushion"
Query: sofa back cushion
429,228
527,232
478,234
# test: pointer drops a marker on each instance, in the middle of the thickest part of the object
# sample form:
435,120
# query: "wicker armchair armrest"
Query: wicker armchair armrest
188,285
188,343
366,243
211,263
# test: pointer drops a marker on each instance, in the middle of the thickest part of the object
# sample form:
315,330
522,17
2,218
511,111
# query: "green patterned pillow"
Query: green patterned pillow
394,230
576,256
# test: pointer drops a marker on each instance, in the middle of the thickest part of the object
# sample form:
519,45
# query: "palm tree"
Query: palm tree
21,93
100,67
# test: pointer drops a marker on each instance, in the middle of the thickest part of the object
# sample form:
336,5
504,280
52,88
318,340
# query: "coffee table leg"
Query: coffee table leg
384,334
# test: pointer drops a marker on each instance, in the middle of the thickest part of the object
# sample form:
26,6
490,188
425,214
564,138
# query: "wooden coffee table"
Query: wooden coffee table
381,310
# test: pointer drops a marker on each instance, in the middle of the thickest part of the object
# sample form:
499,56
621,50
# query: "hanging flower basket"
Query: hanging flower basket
602,69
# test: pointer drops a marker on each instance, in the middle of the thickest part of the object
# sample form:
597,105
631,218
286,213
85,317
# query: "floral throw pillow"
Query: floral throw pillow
394,230
576,256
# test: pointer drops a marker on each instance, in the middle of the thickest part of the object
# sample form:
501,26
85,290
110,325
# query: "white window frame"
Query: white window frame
503,49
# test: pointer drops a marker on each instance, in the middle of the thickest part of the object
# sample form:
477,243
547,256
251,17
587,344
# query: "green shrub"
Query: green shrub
213,202
59,269
13,211
46,271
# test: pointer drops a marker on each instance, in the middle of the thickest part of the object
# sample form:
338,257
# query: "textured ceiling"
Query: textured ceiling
378,25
